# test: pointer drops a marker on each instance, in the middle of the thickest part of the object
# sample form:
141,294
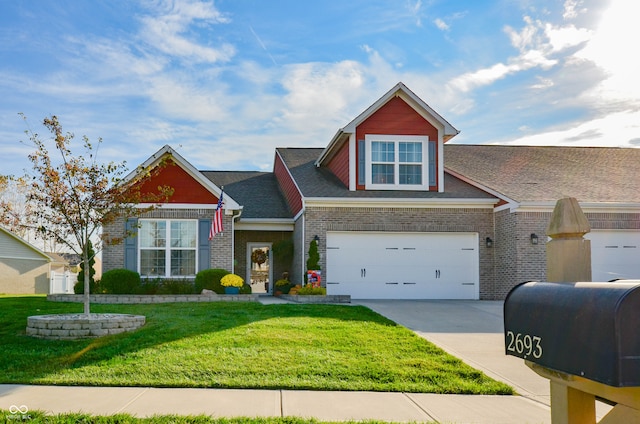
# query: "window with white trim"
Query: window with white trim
168,248
396,162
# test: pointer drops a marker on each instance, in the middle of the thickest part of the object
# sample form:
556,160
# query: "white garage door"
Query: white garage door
403,265
614,254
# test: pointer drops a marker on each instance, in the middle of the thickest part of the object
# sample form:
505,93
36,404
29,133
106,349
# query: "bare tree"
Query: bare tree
71,199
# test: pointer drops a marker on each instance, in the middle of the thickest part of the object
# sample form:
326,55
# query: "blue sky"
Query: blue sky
226,82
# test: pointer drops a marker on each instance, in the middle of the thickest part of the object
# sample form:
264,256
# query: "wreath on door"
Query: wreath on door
259,257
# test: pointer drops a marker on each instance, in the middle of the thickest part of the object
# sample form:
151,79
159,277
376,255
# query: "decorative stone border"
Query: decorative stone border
330,298
152,298
79,326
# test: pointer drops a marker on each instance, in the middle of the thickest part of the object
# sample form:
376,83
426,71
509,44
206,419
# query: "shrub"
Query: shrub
176,287
210,279
94,287
245,289
150,286
120,281
313,291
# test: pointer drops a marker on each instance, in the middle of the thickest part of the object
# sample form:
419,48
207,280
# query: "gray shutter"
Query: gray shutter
361,162
131,245
204,261
432,162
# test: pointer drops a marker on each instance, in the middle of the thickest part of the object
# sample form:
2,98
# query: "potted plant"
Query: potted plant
232,283
283,286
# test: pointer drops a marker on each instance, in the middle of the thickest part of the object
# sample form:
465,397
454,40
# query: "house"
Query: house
25,269
398,211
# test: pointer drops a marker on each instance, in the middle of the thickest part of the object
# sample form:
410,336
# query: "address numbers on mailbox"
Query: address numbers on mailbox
524,345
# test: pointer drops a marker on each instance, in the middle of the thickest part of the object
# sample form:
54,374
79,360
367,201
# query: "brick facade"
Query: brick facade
320,220
512,260
517,260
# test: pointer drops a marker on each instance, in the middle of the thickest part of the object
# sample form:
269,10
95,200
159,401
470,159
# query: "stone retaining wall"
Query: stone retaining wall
79,326
151,298
330,298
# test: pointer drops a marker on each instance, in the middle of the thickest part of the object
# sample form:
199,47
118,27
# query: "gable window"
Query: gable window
167,247
396,162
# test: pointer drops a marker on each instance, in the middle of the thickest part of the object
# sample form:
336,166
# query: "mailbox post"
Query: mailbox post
584,338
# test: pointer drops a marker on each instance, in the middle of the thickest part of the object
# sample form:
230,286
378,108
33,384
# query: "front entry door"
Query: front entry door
259,267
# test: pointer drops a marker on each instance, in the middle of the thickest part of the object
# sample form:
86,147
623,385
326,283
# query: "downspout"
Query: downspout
233,240
304,241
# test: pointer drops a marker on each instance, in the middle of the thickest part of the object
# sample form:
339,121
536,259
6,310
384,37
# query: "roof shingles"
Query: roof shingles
548,173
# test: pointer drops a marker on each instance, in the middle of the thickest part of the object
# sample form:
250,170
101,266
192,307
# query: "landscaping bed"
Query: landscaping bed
152,298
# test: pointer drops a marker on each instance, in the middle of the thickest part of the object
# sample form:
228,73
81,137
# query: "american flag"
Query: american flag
216,222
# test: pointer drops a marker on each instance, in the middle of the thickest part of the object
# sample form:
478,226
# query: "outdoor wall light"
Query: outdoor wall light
316,238
534,238
488,242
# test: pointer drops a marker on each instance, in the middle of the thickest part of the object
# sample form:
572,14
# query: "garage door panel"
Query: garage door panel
403,265
615,254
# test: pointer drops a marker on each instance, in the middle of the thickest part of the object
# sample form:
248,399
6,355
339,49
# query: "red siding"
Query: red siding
396,117
339,164
291,193
186,188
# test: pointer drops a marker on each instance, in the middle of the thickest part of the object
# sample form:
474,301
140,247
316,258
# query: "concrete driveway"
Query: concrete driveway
471,330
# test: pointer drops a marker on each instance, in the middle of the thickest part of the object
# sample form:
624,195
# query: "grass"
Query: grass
236,345
37,417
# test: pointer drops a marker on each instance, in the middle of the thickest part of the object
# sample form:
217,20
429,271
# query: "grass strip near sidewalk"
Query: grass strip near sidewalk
38,417
236,345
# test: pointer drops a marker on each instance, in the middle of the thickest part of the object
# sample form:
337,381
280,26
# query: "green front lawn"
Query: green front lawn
236,345
38,417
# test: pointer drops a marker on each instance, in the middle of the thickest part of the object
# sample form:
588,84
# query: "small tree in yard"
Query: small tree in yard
92,261
73,198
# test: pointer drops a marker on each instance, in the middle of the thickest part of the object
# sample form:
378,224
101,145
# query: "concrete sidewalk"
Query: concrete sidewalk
327,406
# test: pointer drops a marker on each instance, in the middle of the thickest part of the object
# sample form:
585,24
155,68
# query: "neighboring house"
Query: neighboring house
397,212
25,269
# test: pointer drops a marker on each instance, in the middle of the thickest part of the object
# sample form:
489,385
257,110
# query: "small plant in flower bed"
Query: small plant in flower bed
283,286
232,280
310,290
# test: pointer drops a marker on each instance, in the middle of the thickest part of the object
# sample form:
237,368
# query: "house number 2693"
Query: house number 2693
524,344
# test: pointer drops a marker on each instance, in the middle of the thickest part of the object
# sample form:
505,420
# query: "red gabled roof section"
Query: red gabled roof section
411,100
187,189
396,117
339,164
287,185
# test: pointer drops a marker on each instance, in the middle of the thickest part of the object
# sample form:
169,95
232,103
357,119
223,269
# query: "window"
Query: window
396,162
167,247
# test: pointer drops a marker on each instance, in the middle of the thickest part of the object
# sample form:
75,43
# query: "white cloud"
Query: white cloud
166,31
571,9
319,92
442,25
614,130
538,44
612,48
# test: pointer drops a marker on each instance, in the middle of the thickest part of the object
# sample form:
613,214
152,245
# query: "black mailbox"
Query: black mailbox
590,330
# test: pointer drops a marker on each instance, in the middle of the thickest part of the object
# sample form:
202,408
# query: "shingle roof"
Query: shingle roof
320,182
543,173
258,192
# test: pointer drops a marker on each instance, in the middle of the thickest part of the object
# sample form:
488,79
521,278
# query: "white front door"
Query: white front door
369,265
615,254
259,267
